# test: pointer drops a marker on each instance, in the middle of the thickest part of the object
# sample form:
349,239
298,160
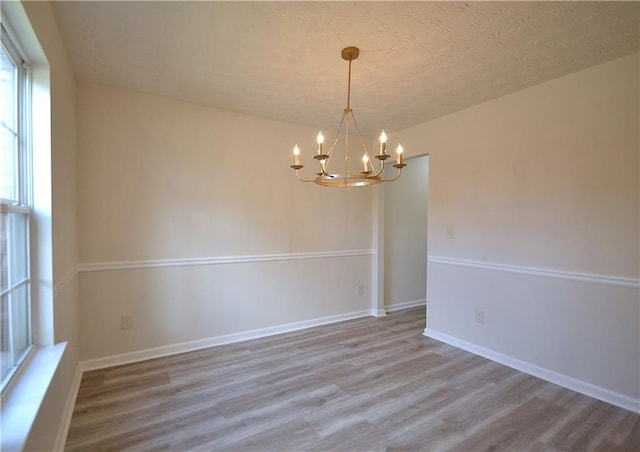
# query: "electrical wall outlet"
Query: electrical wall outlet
126,322
480,317
360,290
450,230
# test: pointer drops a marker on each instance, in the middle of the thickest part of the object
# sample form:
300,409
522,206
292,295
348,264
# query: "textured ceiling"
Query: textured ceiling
281,60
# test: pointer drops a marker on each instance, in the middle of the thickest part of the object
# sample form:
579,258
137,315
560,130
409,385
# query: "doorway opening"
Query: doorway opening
402,239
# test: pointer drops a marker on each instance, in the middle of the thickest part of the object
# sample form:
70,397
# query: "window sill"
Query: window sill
23,398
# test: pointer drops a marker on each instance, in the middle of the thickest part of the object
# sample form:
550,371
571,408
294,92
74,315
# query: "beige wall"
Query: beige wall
46,429
543,179
165,180
162,179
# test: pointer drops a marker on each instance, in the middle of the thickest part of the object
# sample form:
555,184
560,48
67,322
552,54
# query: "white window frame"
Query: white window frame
24,202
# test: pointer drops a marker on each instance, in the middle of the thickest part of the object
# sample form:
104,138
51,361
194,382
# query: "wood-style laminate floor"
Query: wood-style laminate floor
365,384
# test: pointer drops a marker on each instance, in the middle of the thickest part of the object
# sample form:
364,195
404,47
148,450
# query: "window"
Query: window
15,285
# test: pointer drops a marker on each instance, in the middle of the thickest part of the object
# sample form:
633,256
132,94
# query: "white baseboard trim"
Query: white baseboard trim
545,272
378,312
405,305
173,349
67,413
565,381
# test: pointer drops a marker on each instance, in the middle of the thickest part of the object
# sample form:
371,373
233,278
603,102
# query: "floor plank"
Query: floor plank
364,384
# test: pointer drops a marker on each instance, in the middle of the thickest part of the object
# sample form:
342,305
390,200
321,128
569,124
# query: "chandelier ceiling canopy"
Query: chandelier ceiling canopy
371,173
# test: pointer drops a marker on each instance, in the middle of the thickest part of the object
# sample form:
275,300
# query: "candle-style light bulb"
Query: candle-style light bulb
365,162
399,151
296,155
383,142
320,140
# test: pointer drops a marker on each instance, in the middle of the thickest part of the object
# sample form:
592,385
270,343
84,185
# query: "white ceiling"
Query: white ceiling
281,60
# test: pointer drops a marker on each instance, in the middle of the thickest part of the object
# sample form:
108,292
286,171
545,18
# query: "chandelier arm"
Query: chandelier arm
364,147
301,179
379,171
393,179
322,170
335,141
362,143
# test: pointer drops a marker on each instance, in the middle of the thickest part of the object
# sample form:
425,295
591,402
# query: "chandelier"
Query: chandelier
371,173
